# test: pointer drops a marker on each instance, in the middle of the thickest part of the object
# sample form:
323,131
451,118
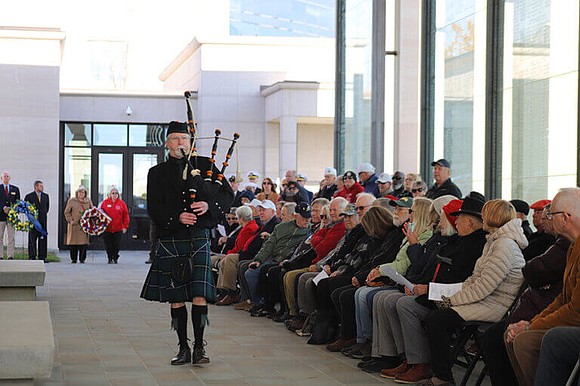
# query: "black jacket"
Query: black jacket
387,252
42,207
447,187
13,196
539,242
167,197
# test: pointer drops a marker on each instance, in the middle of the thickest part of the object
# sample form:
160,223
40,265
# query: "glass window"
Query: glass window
390,83
110,135
77,134
312,18
77,170
459,107
110,174
358,82
146,135
540,98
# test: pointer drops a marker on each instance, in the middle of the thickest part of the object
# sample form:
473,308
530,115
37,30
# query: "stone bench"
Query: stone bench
19,279
26,340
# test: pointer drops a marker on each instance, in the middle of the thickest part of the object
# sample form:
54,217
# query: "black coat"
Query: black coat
544,275
539,242
42,207
447,187
167,197
13,196
387,252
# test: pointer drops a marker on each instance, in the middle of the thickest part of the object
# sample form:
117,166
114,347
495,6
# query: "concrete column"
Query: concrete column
288,143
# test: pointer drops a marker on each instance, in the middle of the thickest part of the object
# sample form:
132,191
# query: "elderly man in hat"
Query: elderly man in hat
443,184
385,184
540,240
328,184
522,211
183,225
302,179
368,179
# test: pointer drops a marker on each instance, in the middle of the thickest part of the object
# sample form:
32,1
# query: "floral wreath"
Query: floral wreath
94,221
22,207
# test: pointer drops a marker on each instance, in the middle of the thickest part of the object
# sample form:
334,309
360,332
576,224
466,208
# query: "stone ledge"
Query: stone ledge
22,273
27,340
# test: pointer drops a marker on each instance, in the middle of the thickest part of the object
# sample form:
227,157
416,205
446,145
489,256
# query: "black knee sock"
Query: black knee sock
198,319
179,324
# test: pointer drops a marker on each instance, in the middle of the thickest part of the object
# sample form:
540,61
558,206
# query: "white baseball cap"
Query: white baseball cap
384,177
255,203
267,204
329,171
365,167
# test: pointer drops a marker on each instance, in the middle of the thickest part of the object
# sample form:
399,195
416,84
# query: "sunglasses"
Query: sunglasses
266,183
361,208
397,178
418,190
348,178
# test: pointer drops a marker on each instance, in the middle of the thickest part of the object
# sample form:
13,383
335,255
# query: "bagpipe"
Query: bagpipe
212,181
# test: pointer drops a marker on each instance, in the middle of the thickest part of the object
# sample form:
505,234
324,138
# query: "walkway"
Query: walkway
107,335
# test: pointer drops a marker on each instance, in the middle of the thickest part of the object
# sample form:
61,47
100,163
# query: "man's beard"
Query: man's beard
397,221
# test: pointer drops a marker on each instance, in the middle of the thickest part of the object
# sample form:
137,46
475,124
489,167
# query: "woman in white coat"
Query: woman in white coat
487,294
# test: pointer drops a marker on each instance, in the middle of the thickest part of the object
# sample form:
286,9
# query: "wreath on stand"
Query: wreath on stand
94,221
29,211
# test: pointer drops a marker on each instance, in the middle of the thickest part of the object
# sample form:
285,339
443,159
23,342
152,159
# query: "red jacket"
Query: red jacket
326,239
245,234
350,194
118,213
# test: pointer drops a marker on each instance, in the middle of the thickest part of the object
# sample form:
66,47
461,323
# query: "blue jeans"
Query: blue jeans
252,277
558,356
363,304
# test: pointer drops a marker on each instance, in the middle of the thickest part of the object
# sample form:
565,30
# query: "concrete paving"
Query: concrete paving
106,335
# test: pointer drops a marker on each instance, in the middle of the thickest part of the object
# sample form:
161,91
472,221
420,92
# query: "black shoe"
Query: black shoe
73,262
110,261
183,357
199,357
10,258
377,364
255,309
282,318
262,312
149,261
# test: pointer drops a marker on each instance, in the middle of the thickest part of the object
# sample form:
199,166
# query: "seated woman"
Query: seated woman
226,283
351,187
487,294
392,253
268,191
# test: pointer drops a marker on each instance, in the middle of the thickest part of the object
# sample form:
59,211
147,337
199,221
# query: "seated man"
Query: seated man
268,220
523,338
280,244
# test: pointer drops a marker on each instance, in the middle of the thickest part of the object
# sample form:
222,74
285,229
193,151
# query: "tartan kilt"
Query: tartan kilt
159,284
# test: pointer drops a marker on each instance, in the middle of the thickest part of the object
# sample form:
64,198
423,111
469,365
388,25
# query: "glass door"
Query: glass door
126,169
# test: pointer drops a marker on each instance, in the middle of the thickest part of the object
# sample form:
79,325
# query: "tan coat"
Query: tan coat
73,212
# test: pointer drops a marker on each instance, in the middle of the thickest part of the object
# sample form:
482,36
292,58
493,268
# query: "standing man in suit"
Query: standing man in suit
36,242
9,194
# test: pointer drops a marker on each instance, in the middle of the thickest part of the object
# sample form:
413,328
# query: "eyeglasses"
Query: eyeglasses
418,190
231,218
266,183
177,137
550,215
383,183
361,208
323,216
397,178
284,185
114,192
348,178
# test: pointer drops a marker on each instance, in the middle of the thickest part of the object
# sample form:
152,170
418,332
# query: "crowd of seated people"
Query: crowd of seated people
386,269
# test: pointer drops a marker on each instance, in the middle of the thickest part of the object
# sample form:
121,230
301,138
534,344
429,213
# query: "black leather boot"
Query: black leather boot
199,357
183,356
